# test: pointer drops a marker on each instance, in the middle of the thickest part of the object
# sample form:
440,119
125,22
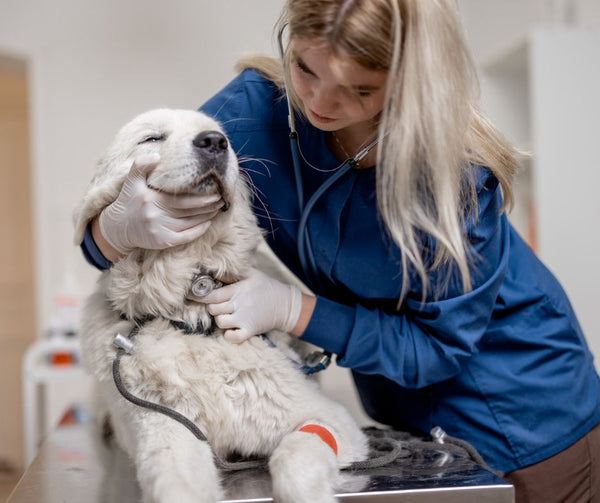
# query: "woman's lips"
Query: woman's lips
321,118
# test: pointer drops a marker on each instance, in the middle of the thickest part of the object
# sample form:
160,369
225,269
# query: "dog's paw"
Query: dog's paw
178,470
303,469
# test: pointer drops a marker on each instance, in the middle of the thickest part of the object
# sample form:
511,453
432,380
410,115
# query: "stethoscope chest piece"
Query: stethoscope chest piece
203,284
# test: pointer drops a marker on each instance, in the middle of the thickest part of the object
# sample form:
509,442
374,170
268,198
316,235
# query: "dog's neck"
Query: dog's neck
157,282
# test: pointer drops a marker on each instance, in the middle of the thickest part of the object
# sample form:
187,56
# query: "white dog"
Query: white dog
248,399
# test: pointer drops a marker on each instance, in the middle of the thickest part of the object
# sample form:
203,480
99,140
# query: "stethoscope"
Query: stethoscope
305,252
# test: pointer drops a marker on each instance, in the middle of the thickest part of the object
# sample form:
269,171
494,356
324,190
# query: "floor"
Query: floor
7,483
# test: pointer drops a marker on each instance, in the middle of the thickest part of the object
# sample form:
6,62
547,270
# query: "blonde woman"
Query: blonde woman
421,286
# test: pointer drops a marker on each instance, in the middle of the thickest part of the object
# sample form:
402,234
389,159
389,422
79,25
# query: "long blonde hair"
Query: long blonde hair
433,130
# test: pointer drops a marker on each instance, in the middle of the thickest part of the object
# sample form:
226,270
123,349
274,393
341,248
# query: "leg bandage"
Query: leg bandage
323,433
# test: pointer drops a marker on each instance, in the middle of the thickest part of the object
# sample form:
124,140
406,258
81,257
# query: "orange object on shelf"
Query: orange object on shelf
62,358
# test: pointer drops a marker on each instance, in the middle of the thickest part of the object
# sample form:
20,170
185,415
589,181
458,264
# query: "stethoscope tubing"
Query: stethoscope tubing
305,251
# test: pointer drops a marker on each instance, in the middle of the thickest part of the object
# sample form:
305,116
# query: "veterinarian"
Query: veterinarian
421,285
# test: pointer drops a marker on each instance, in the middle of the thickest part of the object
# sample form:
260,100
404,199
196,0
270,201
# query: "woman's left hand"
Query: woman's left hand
253,305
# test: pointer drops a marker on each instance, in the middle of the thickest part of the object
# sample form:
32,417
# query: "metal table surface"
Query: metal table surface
73,465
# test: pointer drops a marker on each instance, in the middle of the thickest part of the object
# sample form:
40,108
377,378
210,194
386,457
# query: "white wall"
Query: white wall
565,109
493,26
539,62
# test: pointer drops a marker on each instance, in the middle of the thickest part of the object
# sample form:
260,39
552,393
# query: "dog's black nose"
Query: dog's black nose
211,141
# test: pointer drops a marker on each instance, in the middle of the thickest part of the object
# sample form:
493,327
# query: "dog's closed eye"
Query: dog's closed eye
153,138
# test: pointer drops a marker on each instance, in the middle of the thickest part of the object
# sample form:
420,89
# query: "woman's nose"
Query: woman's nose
324,100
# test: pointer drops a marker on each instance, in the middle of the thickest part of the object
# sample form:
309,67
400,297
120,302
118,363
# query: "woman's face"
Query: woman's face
332,100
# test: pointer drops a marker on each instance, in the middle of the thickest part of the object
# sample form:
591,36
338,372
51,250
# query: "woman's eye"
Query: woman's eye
152,139
302,67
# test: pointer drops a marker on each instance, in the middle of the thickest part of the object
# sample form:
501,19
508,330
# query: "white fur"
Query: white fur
247,398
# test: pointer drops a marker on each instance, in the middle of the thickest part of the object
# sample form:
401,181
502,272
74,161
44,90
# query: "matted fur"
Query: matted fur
248,399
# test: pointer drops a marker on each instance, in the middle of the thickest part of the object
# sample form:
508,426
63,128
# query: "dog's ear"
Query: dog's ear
104,188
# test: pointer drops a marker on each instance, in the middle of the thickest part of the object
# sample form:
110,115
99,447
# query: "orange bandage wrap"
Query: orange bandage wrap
323,433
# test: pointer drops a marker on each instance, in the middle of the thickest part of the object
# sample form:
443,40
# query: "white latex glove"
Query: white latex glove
253,306
142,217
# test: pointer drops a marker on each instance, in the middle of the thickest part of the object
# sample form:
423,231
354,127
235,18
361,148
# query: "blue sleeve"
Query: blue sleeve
425,342
92,253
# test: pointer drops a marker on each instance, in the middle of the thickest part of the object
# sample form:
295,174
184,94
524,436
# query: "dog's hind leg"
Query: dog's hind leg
172,464
304,469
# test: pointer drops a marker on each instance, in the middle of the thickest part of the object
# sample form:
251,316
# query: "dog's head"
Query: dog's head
195,158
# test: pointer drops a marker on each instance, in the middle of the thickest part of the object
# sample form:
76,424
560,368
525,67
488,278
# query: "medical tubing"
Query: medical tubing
472,452
305,252
386,445
383,439
295,148
150,405
305,368
173,414
311,274
391,450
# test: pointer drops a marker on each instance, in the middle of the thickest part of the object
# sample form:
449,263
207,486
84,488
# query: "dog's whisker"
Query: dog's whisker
236,119
261,210
257,197
263,162
258,194
253,187
254,190
270,216
216,115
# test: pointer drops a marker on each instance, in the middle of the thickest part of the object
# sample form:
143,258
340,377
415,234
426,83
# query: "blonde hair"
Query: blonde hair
433,131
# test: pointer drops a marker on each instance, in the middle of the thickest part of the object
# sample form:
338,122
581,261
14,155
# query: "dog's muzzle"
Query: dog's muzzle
212,149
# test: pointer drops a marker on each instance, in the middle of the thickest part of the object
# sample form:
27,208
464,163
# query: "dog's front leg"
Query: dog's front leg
172,464
303,469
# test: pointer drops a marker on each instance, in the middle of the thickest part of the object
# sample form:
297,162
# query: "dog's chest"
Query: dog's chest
242,396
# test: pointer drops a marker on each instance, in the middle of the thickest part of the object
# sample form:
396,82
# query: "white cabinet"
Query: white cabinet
544,94
53,383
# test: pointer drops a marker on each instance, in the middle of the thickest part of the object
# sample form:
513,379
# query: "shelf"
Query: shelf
49,388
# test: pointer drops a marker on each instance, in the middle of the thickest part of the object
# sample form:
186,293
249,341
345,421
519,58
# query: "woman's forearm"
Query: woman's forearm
103,245
308,307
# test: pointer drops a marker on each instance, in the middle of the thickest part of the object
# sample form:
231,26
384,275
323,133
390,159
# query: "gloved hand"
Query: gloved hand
253,306
142,217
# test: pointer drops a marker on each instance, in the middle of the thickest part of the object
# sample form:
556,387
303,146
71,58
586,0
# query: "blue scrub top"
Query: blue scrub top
505,366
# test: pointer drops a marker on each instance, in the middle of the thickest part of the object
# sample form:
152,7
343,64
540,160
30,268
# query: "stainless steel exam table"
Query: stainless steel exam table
73,465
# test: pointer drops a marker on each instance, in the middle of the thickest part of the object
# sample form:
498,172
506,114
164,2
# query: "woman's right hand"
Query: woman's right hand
142,217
